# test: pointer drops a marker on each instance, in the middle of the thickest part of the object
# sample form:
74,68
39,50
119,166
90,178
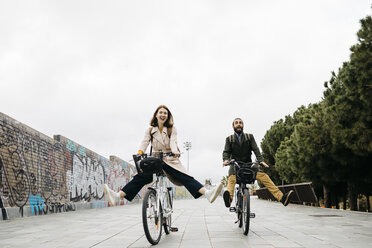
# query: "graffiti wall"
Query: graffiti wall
33,168
46,175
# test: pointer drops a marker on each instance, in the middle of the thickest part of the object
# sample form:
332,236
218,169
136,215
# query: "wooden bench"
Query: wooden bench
303,193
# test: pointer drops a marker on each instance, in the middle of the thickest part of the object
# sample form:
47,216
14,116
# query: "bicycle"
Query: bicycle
157,205
245,174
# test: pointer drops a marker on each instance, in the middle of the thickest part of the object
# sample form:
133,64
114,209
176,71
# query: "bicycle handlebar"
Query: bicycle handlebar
155,154
233,161
240,163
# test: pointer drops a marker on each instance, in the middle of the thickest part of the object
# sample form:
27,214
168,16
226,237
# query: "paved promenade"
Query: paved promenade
200,225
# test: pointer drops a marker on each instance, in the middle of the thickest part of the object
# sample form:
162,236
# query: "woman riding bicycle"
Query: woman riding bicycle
163,137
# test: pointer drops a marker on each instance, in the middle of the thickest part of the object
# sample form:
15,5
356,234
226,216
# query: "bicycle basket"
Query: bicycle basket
151,165
245,175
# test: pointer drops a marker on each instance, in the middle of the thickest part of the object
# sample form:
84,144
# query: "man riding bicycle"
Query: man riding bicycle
239,146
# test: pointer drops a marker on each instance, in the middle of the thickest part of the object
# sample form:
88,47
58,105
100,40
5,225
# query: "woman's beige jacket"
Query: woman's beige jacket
161,142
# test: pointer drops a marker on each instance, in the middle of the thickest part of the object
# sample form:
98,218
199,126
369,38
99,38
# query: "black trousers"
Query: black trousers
135,185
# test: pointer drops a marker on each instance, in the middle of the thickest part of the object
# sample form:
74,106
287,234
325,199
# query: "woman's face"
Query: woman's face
162,116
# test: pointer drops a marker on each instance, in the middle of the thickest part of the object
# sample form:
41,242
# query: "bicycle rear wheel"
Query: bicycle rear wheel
168,205
151,217
246,213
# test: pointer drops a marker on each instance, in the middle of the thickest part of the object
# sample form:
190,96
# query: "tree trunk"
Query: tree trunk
334,198
326,196
352,196
368,205
344,202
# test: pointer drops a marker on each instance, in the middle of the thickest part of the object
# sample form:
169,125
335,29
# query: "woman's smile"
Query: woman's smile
162,115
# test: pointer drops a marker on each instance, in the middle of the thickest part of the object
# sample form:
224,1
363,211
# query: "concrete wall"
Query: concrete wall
41,175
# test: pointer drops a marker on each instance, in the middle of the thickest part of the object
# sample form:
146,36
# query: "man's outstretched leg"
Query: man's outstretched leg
228,195
275,191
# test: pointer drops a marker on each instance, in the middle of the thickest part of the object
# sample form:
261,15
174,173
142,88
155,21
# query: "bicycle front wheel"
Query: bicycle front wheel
238,207
246,211
151,217
168,205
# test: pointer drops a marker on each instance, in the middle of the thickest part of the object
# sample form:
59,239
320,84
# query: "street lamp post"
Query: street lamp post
187,146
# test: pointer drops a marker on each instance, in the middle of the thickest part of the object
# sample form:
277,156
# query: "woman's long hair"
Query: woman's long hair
168,123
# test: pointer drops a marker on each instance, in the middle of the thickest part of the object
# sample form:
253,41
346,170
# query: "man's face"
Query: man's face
238,125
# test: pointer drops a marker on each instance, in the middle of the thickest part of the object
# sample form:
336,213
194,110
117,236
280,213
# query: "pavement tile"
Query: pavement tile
200,224
229,242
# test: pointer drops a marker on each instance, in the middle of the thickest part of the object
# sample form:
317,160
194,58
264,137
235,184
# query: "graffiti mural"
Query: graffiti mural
51,175
36,203
87,178
3,210
29,165
119,174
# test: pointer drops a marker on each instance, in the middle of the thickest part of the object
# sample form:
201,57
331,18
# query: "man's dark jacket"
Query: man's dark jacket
240,151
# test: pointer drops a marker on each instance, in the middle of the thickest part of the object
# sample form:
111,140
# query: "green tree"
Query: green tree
348,101
330,143
315,154
269,145
272,140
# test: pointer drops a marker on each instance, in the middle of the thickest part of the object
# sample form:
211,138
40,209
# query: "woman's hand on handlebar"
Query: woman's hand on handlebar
226,162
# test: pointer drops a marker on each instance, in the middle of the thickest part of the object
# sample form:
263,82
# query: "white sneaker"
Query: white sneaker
111,195
213,193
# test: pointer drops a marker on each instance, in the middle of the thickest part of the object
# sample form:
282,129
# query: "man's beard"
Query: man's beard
238,131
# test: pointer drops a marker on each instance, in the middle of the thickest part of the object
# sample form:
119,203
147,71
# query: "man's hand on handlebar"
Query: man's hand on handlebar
227,162
264,164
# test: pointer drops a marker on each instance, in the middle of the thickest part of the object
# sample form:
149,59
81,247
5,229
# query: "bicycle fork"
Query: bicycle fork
240,196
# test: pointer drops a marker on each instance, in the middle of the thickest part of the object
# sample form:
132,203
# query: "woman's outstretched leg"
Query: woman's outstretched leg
112,196
129,191
195,188
212,193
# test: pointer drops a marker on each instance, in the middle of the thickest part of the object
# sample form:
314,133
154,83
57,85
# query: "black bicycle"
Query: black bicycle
245,174
157,204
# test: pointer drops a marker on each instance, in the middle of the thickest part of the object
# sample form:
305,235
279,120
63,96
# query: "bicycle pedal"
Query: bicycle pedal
232,209
173,229
252,215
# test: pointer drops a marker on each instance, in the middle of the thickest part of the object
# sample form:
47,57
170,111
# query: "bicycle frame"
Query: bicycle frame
247,173
239,192
159,184
160,195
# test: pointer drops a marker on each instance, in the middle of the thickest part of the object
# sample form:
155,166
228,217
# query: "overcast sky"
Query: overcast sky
95,71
